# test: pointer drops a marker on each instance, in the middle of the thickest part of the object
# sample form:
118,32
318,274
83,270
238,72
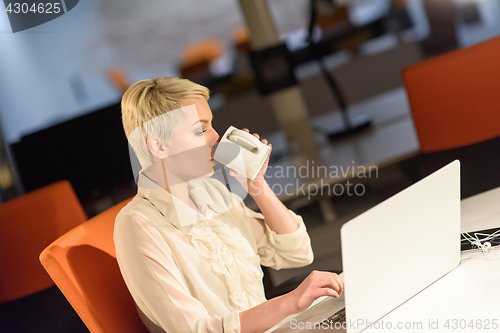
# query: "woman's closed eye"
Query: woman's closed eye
200,133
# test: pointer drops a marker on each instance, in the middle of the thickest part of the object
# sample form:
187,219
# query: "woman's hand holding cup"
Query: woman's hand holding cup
254,186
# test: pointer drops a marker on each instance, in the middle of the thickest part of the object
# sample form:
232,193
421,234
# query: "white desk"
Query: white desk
471,292
481,211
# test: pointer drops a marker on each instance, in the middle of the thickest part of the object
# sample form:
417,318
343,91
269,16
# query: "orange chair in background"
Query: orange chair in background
28,224
119,78
241,39
455,104
83,265
196,58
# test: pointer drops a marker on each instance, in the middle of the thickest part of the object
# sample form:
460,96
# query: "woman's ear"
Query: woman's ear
157,147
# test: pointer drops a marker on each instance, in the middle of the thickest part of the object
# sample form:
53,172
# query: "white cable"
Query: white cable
483,243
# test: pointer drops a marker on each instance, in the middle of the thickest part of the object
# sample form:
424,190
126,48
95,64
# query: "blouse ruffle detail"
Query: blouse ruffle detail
241,273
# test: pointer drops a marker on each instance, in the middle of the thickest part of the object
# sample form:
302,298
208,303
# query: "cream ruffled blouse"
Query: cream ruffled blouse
194,271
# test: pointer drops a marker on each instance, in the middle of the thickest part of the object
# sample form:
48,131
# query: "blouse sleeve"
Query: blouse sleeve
281,250
157,285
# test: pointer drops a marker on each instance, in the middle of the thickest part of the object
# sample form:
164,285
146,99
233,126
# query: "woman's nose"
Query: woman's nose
213,145
216,138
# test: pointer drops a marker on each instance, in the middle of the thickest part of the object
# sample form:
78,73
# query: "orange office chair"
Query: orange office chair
28,224
196,58
455,104
83,265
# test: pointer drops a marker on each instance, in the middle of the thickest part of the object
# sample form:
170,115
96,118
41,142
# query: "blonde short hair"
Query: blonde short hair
152,108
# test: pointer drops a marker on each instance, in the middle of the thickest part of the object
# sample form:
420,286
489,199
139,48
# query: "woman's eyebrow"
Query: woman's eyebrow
200,121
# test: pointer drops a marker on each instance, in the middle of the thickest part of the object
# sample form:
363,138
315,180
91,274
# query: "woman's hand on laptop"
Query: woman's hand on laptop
316,285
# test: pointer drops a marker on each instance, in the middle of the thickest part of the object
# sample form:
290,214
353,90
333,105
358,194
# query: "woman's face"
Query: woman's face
189,152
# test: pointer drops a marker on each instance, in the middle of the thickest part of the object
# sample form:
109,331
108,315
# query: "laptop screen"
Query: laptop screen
399,247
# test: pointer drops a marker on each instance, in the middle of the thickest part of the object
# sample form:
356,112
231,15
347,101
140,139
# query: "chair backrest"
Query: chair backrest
83,265
28,224
454,97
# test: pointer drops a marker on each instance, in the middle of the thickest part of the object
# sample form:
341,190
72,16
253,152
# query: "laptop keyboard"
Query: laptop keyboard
337,317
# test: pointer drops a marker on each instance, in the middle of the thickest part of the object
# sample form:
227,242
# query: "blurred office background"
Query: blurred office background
61,84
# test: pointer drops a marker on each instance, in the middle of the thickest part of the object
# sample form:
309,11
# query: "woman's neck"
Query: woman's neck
178,188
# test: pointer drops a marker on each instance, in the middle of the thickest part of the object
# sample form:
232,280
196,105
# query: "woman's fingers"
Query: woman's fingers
329,292
333,284
316,285
336,282
255,134
341,282
333,281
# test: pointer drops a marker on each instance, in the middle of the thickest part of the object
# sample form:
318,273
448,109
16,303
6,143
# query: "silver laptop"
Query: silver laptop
390,253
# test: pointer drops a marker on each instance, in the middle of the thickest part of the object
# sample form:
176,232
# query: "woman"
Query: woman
189,250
